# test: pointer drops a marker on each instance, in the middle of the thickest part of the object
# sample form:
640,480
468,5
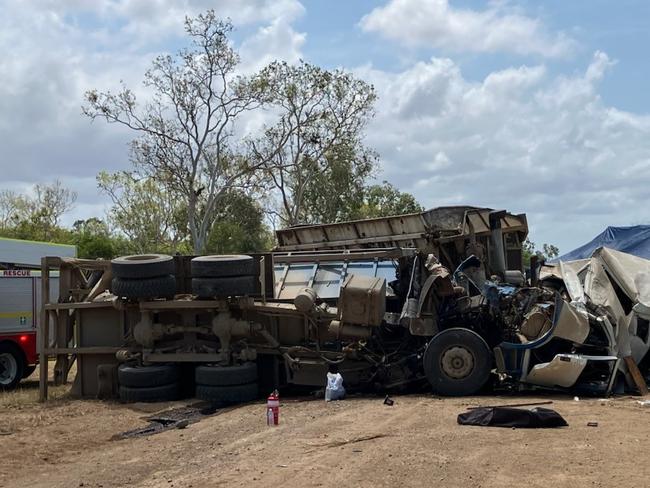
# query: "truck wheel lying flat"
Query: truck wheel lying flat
220,266
12,366
457,362
142,266
160,287
147,376
226,375
150,394
227,395
226,385
224,287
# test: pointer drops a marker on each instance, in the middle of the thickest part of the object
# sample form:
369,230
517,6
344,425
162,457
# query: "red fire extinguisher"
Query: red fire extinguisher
273,408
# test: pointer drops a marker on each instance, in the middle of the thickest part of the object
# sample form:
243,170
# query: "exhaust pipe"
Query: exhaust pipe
497,250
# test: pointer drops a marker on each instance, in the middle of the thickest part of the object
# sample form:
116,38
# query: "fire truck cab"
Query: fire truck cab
20,303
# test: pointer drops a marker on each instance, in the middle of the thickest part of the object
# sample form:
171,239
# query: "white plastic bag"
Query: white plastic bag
334,389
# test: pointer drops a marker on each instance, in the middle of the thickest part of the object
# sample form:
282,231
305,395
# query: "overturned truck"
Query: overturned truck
435,298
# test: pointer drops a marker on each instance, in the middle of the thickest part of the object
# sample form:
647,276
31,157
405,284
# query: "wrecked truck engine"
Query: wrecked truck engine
563,327
458,330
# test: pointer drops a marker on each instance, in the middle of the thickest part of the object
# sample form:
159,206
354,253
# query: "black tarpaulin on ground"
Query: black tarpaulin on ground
536,418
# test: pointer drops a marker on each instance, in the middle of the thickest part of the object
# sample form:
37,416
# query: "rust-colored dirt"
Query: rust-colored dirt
355,442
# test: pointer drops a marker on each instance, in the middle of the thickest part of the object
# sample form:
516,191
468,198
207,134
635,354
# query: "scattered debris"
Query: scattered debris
354,440
273,408
334,389
592,424
181,424
512,417
176,418
389,401
638,379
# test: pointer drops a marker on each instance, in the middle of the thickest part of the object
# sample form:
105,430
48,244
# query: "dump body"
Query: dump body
451,233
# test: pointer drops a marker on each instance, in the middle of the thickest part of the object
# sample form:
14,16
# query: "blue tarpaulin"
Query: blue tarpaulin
633,240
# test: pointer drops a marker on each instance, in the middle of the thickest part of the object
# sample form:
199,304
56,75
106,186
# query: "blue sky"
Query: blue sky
537,107
621,29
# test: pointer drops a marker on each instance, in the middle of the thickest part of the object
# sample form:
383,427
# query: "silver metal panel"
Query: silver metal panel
100,327
29,253
16,305
326,278
20,301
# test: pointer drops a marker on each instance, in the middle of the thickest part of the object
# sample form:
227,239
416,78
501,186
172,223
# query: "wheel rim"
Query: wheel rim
8,368
457,362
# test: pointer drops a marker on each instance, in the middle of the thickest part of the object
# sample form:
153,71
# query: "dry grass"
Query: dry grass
26,395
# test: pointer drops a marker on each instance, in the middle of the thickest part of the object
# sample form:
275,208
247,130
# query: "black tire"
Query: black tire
222,265
142,266
226,375
457,362
160,287
162,393
29,370
224,287
227,395
147,376
12,366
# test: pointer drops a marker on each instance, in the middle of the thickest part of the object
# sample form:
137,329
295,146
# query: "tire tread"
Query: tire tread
226,375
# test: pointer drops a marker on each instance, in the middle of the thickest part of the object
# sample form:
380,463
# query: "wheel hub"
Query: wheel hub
8,368
457,362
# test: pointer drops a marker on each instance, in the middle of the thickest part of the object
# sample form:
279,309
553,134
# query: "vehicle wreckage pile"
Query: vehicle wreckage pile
388,303
577,326
576,329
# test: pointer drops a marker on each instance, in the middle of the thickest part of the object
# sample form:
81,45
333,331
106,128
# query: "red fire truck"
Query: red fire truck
20,302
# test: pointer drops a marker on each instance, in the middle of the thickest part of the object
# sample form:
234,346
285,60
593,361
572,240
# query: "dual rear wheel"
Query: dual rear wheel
223,276
220,385
144,276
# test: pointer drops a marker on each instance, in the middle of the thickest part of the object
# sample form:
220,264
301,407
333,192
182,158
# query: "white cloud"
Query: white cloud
55,50
521,138
518,139
277,40
436,24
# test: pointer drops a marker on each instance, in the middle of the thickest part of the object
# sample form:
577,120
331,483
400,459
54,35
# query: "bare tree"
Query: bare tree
185,130
35,216
145,211
52,201
322,115
12,208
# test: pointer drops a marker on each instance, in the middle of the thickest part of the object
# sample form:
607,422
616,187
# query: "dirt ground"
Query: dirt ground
355,442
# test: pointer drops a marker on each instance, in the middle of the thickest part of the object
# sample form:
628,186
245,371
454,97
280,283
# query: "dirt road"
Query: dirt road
356,442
